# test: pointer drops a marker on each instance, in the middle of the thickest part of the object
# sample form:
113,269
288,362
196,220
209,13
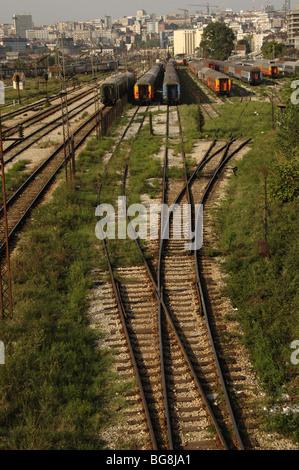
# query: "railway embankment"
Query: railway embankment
256,246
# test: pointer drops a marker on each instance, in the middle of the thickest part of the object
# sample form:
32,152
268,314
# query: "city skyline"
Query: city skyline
68,11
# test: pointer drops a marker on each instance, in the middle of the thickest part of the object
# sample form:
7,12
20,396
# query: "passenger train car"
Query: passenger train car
116,87
146,87
267,68
287,67
245,72
171,85
217,81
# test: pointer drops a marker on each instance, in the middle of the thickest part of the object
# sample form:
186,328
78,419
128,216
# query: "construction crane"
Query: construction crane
185,14
207,5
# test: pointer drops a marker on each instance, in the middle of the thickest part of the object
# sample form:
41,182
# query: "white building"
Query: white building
258,40
152,27
185,41
41,34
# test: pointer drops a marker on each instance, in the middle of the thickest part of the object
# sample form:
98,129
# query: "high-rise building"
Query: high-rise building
293,27
22,23
108,22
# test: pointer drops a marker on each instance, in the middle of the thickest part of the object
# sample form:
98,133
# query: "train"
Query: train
267,67
116,87
286,67
181,61
81,68
146,86
217,81
171,89
247,73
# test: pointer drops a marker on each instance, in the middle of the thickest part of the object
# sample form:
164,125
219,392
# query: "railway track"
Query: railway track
36,105
163,319
42,114
210,110
18,147
31,191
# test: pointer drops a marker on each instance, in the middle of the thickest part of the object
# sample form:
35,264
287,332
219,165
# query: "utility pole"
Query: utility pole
272,109
6,307
263,246
265,210
96,92
64,110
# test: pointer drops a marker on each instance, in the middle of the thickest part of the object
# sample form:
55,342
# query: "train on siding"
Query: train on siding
267,67
116,87
247,73
217,81
171,85
145,89
83,68
287,67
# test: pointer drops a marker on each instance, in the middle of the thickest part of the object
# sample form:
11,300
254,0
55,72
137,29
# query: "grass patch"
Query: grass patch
14,177
57,388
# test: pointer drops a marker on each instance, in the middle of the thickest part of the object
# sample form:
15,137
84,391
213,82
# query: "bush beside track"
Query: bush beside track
264,291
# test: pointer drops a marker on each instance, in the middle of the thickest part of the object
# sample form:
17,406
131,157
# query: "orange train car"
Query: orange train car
145,88
267,68
218,82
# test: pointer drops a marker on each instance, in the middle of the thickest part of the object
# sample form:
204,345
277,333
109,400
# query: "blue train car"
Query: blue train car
171,85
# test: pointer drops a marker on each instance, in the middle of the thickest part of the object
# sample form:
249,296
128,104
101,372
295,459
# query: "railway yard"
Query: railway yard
156,306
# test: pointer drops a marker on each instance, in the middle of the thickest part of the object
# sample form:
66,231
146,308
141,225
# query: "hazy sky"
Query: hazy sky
50,11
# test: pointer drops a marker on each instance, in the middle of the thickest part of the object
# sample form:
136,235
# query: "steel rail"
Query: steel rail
35,104
49,180
220,434
160,296
55,123
224,160
203,297
33,175
162,306
56,96
117,293
42,114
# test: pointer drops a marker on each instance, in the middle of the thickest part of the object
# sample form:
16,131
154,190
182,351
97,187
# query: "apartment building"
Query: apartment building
293,27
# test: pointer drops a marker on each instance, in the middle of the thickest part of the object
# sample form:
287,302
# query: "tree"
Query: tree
272,49
217,41
247,44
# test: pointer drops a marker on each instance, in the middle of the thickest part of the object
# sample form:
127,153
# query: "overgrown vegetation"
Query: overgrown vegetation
57,388
265,290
